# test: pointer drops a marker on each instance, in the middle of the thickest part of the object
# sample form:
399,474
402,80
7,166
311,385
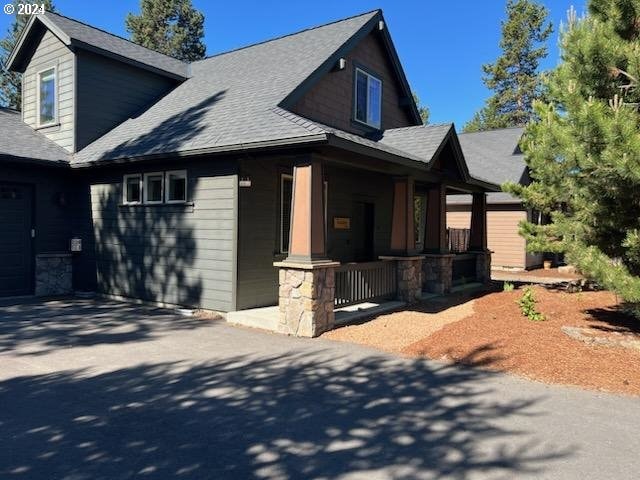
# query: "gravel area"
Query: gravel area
396,331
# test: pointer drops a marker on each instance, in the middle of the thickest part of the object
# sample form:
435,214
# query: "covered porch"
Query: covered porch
345,249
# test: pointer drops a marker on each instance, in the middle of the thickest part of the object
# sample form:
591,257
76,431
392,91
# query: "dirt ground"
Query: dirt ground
490,332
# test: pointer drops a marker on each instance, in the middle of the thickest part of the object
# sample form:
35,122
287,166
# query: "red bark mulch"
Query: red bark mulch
498,337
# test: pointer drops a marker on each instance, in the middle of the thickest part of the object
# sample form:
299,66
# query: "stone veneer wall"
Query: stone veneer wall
437,270
483,266
409,273
306,300
53,274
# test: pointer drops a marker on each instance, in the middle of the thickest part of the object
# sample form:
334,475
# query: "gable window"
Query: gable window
153,187
176,186
47,97
368,99
132,189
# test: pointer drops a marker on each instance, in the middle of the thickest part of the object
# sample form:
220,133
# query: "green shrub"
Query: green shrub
507,287
528,306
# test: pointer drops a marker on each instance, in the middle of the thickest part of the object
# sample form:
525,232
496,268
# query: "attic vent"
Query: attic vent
381,25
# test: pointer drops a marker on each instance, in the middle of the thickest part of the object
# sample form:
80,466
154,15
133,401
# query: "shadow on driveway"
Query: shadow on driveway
272,417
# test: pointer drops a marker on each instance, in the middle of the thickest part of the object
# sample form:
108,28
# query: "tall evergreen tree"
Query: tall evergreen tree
583,150
514,75
11,82
423,110
172,27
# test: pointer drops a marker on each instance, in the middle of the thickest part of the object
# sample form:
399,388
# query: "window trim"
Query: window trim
183,173
355,97
125,185
288,176
55,97
145,190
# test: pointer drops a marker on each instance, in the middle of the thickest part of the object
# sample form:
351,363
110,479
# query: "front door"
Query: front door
363,231
16,254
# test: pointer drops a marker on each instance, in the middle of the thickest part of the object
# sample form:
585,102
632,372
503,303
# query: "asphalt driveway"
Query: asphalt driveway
105,390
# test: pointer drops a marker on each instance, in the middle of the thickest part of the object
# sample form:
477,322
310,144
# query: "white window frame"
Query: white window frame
55,96
284,176
355,99
182,173
146,190
125,186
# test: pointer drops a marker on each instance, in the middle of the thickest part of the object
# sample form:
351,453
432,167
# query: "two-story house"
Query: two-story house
293,172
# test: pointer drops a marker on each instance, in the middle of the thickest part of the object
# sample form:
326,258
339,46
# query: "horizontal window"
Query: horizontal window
132,193
176,183
153,187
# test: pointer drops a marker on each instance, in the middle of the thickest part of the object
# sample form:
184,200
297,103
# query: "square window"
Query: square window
176,186
153,186
132,189
368,99
47,97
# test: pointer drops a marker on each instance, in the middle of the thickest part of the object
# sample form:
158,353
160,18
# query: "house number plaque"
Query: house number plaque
342,223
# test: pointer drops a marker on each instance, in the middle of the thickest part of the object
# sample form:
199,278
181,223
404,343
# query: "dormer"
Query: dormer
361,89
79,82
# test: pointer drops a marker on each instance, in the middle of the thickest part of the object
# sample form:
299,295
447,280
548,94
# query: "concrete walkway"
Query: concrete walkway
104,390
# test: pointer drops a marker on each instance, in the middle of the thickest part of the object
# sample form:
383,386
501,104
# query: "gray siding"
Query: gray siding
57,222
110,92
52,52
259,229
175,254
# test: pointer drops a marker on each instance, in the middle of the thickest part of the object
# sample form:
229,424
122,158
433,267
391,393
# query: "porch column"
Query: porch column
307,243
306,293
436,226
478,237
402,233
478,234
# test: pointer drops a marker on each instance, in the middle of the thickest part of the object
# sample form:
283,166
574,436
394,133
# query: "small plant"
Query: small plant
507,287
528,306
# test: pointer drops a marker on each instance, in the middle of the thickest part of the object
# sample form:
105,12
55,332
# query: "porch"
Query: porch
354,232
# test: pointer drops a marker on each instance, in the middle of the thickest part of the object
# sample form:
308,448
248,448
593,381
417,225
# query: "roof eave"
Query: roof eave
306,140
34,161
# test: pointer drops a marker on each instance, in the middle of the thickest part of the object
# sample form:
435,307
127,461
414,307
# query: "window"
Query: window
153,186
419,220
368,99
286,194
132,189
47,97
176,185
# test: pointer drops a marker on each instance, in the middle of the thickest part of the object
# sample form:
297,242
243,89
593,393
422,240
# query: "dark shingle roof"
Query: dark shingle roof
231,99
78,32
20,141
423,141
495,156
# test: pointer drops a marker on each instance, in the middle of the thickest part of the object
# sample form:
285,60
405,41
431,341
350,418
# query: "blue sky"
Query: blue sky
442,44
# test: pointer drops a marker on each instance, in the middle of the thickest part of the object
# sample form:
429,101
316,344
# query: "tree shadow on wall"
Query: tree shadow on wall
277,417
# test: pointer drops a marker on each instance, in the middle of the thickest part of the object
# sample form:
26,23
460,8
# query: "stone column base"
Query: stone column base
306,298
437,271
54,273
409,278
483,266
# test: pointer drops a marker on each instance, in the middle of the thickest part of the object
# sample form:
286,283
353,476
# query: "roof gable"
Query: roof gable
76,34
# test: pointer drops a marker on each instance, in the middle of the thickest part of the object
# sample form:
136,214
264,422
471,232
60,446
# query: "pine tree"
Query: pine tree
172,27
11,82
423,110
583,150
514,75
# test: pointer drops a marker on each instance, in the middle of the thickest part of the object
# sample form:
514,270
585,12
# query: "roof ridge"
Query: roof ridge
116,36
308,29
428,125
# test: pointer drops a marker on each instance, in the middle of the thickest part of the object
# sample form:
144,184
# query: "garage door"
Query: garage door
16,257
